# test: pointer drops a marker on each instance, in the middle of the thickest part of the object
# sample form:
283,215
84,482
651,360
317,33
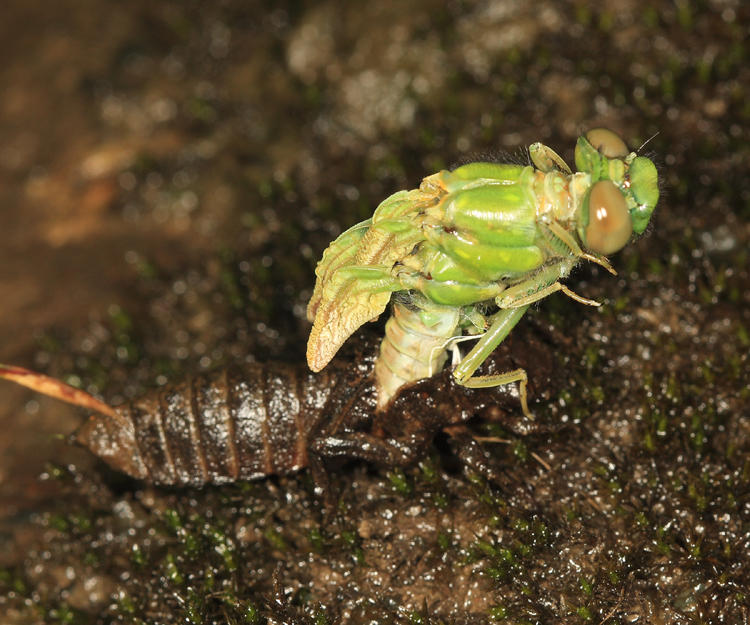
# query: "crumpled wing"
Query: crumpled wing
340,253
353,296
355,278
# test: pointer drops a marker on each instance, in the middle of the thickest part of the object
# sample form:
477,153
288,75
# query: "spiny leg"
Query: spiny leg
509,301
480,325
502,323
355,445
501,379
452,345
322,487
359,445
540,285
471,453
546,159
566,238
475,457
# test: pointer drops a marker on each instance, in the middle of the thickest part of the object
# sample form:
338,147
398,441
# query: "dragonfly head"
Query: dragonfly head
623,193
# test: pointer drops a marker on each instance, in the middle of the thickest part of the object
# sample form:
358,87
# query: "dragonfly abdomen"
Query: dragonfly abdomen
414,347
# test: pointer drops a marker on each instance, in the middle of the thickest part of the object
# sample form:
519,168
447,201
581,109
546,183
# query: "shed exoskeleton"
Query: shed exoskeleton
252,421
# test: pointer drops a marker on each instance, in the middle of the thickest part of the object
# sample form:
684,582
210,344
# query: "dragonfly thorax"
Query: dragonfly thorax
559,196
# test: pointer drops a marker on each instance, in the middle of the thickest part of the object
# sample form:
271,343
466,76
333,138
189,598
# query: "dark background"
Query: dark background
170,172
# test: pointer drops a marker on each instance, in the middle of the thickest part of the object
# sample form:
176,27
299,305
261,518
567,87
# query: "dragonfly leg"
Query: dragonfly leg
508,301
513,304
536,288
384,451
472,455
501,379
567,239
502,323
546,159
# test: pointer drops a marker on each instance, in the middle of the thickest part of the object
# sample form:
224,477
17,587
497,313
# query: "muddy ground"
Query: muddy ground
170,172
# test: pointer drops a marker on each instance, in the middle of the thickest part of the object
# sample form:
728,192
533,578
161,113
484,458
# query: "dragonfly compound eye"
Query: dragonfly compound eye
609,227
607,143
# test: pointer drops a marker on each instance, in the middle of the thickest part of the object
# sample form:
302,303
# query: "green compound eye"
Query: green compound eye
644,183
609,227
607,143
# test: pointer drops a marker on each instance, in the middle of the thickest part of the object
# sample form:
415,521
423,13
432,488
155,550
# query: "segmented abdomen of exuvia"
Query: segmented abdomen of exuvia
235,424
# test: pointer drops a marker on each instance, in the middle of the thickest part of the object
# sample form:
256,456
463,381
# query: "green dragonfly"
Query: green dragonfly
464,256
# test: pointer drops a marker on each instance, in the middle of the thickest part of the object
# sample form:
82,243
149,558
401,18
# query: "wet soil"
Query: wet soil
170,172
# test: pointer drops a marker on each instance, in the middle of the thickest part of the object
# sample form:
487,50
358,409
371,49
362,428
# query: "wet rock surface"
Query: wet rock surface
169,175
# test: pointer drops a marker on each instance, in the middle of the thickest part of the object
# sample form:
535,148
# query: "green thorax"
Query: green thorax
487,223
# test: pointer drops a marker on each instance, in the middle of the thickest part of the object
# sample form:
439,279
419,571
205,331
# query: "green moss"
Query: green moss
251,615
498,613
172,570
399,482
275,539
